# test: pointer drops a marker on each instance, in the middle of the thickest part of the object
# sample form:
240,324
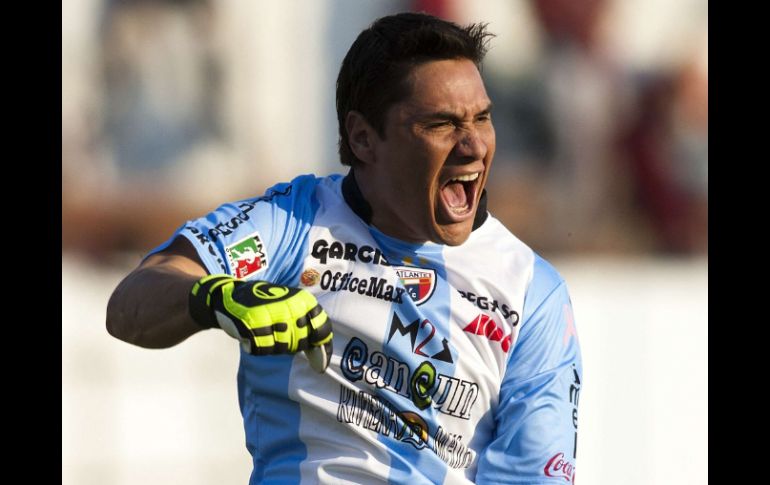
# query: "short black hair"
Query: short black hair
372,75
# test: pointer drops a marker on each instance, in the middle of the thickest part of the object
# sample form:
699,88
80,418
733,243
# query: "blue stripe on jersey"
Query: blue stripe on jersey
293,210
406,459
272,417
282,218
544,297
545,279
272,436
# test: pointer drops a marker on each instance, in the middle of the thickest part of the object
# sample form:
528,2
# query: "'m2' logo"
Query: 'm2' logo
396,325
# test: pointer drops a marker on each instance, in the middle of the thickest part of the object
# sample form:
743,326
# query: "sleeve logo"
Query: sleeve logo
247,256
558,467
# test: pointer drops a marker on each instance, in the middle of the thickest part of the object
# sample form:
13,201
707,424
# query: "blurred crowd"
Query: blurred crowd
170,107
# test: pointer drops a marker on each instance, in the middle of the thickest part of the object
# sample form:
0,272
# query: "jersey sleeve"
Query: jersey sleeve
258,238
535,439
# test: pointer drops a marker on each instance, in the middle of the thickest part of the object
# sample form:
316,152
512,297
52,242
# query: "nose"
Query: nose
471,145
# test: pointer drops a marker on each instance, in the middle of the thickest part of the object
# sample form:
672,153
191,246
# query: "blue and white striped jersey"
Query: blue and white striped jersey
451,364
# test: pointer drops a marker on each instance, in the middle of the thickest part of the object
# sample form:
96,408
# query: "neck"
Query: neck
351,192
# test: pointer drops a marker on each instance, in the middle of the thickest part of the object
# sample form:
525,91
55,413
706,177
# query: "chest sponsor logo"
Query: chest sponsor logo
374,413
323,251
423,385
426,343
373,286
247,256
558,467
486,303
486,326
419,283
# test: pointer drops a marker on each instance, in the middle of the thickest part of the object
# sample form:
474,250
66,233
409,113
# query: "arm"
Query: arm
149,308
536,418
188,283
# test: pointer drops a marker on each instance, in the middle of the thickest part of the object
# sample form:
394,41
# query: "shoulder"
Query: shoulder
545,279
501,251
542,276
295,199
495,250
301,188
493,234
265,225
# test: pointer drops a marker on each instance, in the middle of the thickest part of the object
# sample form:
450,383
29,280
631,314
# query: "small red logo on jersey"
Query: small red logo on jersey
559,468
486,326
569,320
310,277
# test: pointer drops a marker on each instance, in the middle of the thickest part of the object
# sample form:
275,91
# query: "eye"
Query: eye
484,118
439,124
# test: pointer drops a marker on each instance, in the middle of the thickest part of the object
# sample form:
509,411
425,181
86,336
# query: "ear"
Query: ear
361,136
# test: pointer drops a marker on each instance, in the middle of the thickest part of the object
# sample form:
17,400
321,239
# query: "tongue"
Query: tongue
454,194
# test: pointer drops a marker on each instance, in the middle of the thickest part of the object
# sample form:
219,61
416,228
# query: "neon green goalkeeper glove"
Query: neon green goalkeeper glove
266,318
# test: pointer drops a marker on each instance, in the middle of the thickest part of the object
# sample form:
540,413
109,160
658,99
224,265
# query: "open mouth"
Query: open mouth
459,194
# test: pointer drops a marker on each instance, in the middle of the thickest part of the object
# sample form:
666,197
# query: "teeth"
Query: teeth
465,178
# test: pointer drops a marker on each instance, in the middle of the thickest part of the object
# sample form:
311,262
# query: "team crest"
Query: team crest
247,256
419,283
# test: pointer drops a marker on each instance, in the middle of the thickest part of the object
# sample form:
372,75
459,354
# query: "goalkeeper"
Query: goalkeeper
391,329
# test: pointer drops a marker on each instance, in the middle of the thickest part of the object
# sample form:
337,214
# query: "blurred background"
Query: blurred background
170,107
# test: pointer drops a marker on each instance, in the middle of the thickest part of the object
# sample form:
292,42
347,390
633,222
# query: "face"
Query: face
429,168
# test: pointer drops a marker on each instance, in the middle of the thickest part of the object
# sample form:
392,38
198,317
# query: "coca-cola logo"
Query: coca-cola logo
558,467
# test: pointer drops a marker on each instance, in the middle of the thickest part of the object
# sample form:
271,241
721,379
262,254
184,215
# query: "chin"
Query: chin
453,234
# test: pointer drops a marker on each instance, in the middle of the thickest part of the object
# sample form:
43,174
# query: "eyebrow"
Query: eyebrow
448,115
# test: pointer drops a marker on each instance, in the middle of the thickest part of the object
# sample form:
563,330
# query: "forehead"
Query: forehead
453,85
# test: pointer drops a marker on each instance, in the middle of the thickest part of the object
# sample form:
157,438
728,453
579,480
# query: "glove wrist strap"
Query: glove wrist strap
200,300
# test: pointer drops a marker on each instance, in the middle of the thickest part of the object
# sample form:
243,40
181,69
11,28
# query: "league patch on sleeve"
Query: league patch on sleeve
247,256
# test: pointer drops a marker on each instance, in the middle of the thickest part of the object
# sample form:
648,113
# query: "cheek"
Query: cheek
426,164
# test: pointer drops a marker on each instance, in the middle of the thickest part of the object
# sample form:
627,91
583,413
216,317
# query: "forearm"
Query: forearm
149,308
